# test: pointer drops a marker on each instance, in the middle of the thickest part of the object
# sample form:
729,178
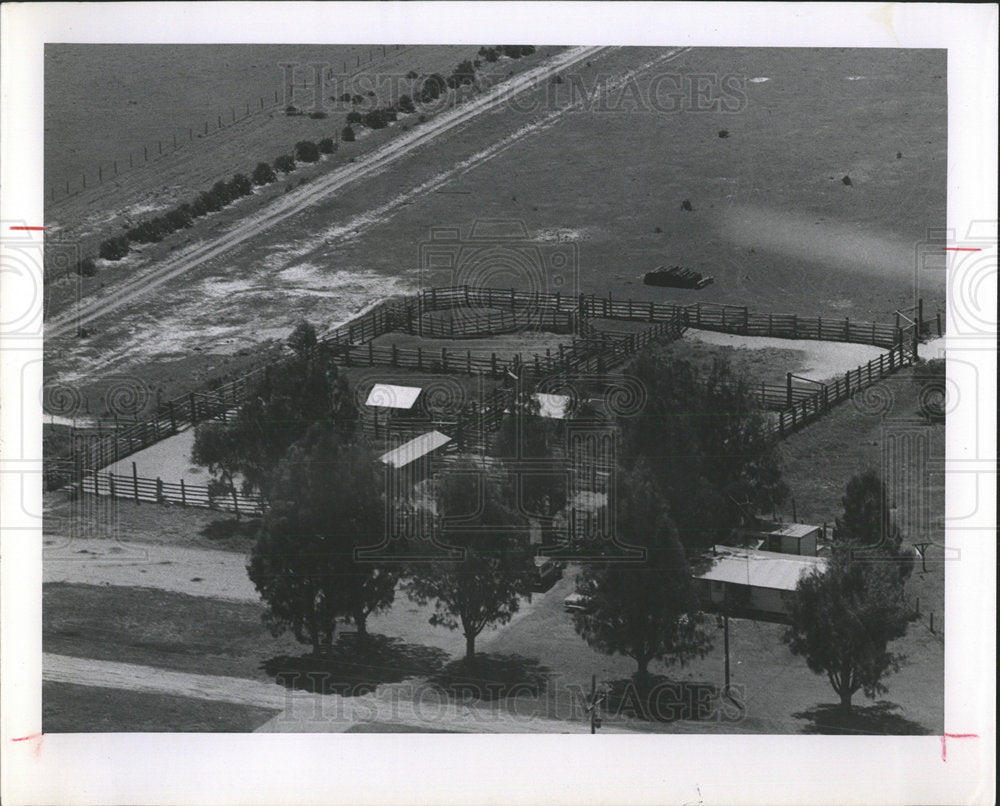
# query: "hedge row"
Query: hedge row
224,193
431,88
221,195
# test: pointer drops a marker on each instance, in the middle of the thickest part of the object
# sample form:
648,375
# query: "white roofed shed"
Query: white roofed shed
390,396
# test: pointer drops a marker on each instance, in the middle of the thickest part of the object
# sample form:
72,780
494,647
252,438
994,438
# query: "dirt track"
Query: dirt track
301,198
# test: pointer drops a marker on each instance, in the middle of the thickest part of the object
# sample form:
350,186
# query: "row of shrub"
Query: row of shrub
492,54
220,195
224,193
431,88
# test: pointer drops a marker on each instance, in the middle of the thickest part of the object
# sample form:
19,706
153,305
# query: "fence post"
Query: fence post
770,325
788,389
194,408
873,333
939,323
173,419
847,328
111,485
183,493
159,491
236,503
847,383
795,326
135,483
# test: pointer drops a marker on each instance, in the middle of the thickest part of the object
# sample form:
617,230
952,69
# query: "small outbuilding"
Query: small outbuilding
752,583
802,539
410,452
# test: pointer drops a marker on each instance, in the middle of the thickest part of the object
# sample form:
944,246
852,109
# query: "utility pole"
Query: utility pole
595,702
726,640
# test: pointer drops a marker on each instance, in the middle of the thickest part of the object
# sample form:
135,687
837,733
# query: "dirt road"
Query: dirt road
301,198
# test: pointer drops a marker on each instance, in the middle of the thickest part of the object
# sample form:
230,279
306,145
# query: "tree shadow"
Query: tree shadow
656,698
493,677
876,720
226,528
356,668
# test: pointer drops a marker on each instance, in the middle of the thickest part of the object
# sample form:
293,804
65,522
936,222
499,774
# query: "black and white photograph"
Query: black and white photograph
629,389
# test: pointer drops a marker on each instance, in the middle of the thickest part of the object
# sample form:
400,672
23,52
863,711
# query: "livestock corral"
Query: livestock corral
483,243
428,348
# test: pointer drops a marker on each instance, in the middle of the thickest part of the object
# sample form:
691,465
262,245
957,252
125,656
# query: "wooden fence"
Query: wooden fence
157,491
95,451
700,316
352,345
806,409
473,324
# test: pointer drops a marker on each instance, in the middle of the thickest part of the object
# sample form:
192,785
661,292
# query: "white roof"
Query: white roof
553,406
387,396
415,448
760,569
795,529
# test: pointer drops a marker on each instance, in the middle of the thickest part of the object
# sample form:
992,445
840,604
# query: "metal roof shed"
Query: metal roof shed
409,452
760,569
389,396
551,406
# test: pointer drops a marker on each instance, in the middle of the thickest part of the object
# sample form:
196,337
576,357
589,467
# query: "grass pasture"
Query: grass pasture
71,708
771,219
149,94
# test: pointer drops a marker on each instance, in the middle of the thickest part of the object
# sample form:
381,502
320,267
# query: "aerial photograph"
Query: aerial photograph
501,389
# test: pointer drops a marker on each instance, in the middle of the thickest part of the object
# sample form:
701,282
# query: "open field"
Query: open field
501,166
170,98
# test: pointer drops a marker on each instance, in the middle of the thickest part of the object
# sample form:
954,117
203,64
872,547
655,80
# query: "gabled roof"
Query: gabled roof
411,451
760,569
388,396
